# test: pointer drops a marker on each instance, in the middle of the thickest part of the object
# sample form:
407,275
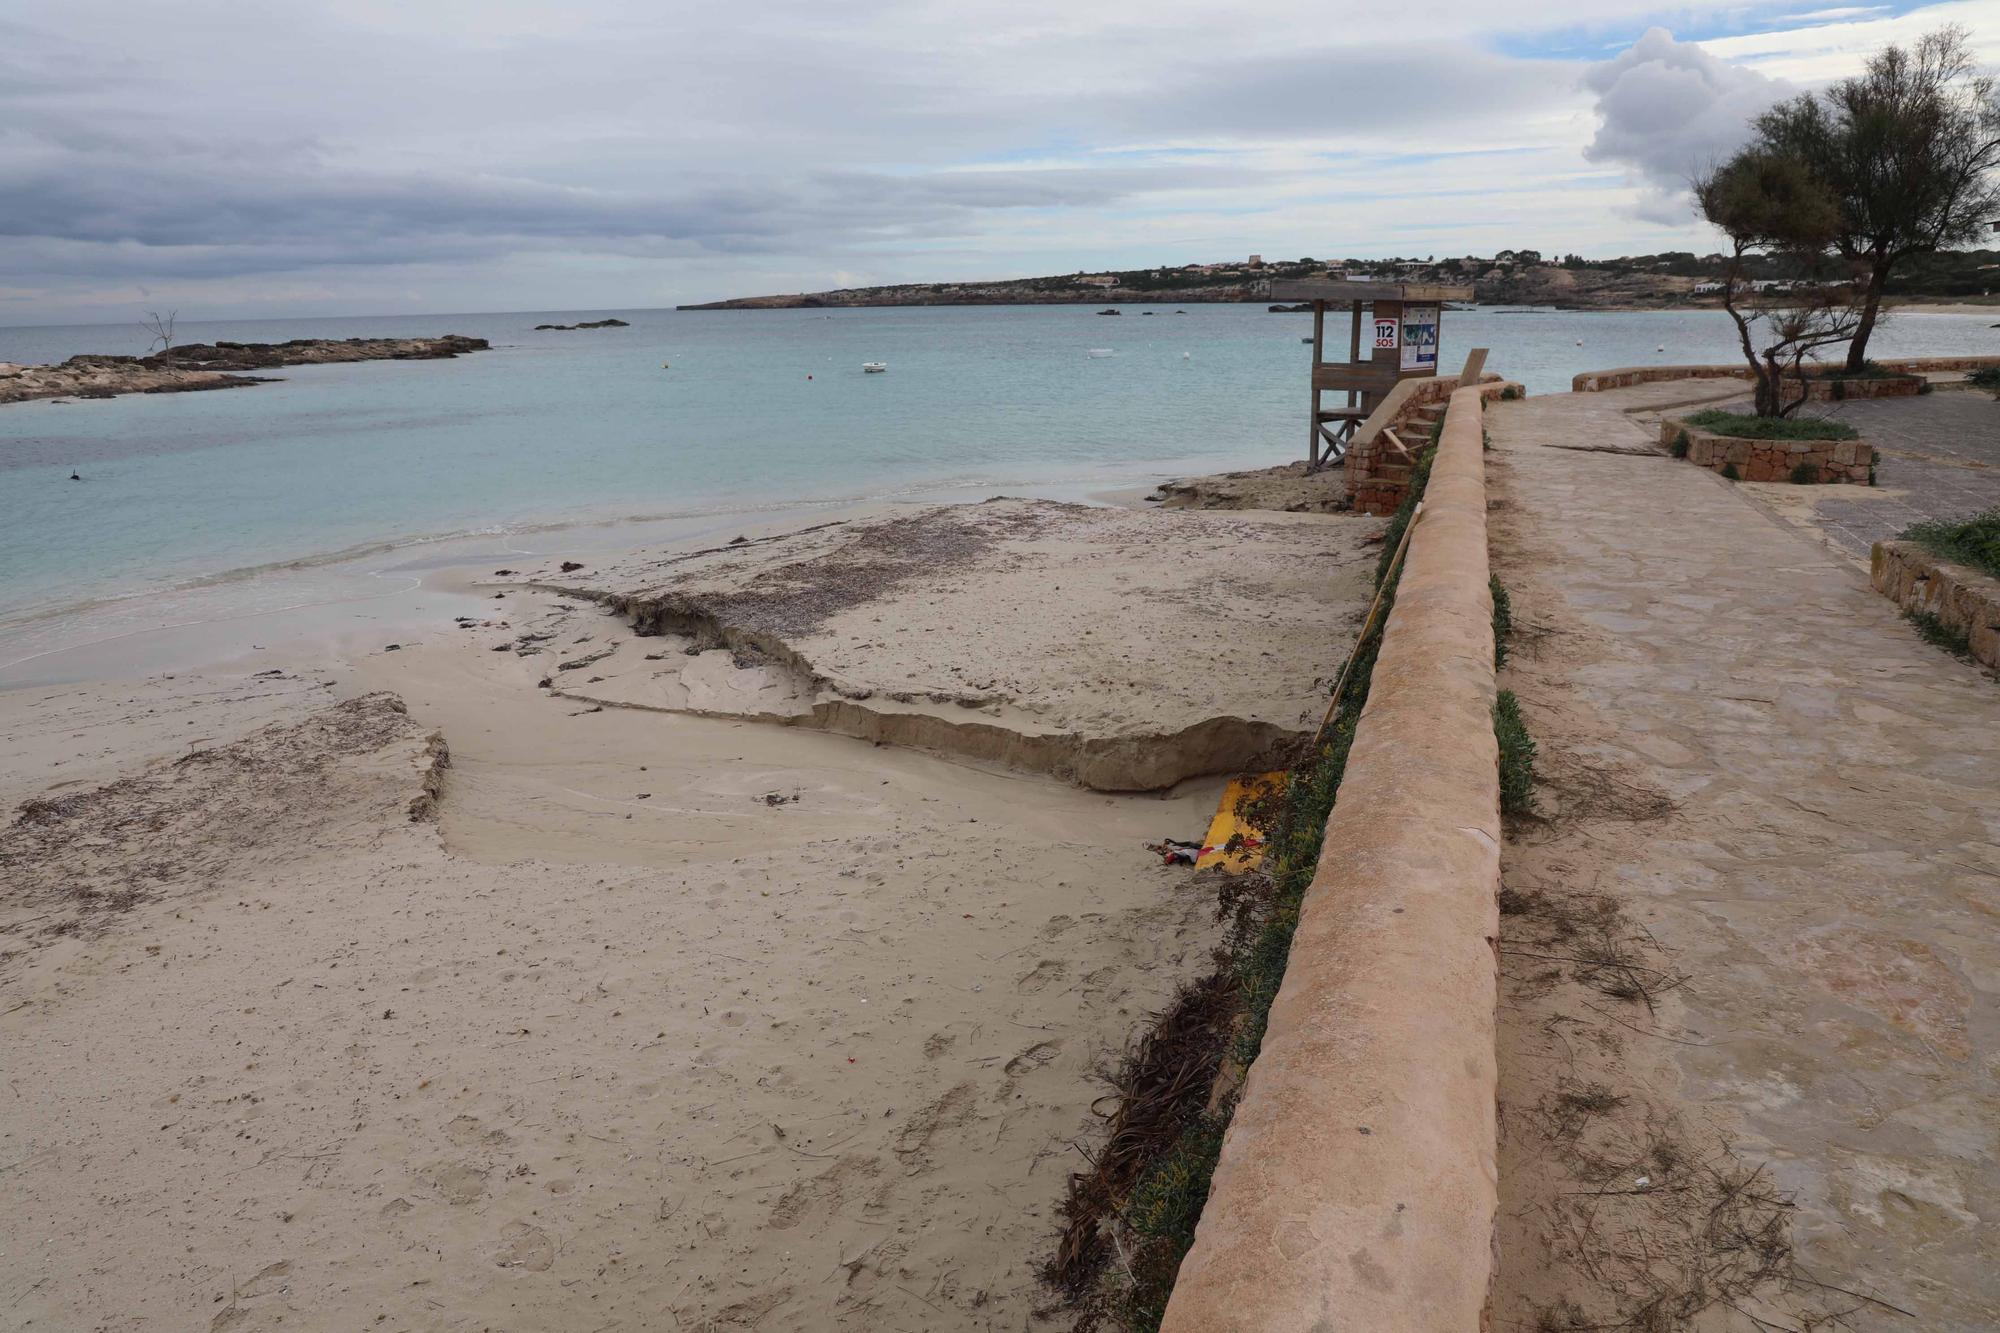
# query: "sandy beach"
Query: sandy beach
747,974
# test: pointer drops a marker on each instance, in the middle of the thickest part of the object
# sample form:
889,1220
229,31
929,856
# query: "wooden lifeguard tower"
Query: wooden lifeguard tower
1398,341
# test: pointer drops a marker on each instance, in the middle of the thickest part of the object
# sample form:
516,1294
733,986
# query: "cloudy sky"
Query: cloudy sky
310,157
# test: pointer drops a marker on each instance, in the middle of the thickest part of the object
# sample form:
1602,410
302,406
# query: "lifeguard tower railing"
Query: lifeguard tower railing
1399,339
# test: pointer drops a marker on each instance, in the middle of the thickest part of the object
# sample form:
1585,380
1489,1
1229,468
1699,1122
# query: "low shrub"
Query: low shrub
1517,756
1805,474
1987,378
1729,472
1510,393
1503,619
1681,444
1972,541
1740,426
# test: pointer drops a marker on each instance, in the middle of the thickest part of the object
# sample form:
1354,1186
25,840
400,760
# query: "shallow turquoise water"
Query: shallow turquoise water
564,427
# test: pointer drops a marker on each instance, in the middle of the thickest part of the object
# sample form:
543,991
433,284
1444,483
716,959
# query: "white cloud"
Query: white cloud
1668,109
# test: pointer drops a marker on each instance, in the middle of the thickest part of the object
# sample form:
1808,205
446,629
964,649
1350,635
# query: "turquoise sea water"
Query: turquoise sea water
759,409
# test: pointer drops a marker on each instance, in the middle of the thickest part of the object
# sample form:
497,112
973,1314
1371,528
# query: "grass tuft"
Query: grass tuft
1739,426
1503,619
1517,756
1805,474
1729,472
1987,378
1681,444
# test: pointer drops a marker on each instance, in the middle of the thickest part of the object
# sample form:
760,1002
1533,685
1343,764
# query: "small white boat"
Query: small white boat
874,367
1096,352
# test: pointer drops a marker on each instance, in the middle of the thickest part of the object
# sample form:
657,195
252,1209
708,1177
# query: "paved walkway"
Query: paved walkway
1940,459
1795,804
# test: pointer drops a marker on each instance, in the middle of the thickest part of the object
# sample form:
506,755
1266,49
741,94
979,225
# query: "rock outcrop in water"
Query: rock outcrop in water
197,366
586,324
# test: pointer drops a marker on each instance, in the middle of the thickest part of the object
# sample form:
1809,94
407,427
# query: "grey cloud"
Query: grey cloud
1668,109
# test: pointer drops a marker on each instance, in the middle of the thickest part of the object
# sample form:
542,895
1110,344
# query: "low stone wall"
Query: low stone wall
1833,389
1836,461
1962,598
1358,1181
1624,377
1378,475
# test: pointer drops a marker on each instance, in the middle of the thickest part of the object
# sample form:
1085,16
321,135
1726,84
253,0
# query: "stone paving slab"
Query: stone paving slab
1823,864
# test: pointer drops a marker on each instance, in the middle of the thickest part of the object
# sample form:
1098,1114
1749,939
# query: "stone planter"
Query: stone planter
1828,461
1962,598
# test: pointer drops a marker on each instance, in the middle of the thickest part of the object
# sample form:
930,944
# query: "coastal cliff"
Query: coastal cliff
199,366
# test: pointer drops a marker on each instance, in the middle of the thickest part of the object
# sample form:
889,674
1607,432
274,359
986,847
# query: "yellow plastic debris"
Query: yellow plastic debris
1227,825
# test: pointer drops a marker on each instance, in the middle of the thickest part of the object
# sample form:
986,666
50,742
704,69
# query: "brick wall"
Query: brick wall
1378,475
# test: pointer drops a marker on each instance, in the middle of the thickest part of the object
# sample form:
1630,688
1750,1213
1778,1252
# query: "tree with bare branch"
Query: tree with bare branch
161,327
1770,203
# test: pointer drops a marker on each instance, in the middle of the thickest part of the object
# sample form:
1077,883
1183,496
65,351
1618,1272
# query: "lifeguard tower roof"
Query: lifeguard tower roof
1340,292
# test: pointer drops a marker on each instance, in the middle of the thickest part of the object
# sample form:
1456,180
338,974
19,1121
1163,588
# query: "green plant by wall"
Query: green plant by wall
1973,540
1805,474
1503,619
1680,446
1162,1213
1510,393
1517,756
1729,472
1934,631
1739,426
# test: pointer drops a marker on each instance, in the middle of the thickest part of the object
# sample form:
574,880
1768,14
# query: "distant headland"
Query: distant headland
1677,279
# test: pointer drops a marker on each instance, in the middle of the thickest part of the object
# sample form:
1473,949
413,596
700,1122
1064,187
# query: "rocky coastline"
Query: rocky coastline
200,366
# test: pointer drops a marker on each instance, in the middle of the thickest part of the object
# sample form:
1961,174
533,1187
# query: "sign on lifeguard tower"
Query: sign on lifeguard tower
1420,339
1406,319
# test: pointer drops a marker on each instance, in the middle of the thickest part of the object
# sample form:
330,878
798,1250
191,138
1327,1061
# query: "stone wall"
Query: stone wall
1357,1184
1962,598
1624,377
1378,474
1847,461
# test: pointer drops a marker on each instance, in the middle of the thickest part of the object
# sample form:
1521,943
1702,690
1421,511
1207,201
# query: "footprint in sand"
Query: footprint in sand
1046,971
950,1111
938,1043
466,1129
820,1197
524,1246
458,1182
1033,1058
